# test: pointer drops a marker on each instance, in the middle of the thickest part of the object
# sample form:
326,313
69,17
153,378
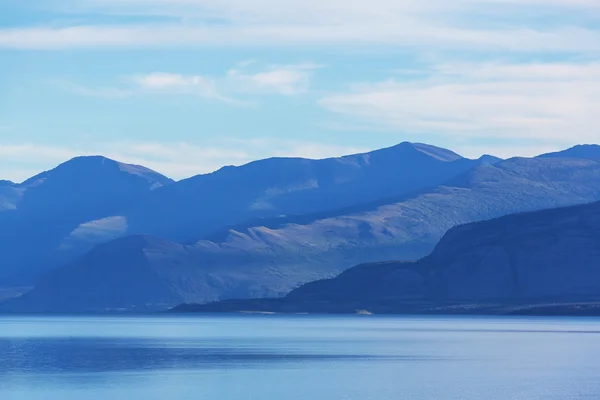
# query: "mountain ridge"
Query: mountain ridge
191,209
45,208
270,259
542,262
585,151
194,208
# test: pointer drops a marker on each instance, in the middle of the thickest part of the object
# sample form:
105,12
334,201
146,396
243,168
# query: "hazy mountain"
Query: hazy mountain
9,195
91,200
271,257
144,273
193,208
544,262
488,159
584,151
37,214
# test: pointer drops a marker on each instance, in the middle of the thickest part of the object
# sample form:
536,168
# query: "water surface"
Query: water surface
298,357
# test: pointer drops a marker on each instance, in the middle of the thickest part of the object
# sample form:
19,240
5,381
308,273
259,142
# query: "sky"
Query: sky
187,86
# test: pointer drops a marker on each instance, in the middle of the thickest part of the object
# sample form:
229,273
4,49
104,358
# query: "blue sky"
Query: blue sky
186,86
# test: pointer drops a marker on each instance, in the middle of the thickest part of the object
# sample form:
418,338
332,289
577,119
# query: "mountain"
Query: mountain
93,200
270,257
144,273
545,262
36,215
584,151
9,195
194,208
489,159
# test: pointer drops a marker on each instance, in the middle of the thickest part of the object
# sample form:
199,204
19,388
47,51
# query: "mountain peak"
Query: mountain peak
584,151
96,167
489,159
98,162
437,153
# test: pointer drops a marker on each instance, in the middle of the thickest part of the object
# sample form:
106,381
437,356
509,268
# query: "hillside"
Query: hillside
583,151
196,207
36,215
544,262
272,258
88,201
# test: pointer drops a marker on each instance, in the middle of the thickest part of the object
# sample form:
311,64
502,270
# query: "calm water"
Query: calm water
302,357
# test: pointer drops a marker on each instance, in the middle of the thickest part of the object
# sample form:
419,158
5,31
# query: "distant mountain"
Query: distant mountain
36,215
488,159
270,257
91,200
145,273
584,151
196,207
534,263
85,186
9,195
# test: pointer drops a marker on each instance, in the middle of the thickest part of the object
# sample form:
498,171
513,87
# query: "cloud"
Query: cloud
267,23
285,80
551,102
16,152
177,160
401,33
162,82
305,11
465,102
95,91
21,161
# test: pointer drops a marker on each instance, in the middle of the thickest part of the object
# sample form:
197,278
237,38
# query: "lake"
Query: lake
262,357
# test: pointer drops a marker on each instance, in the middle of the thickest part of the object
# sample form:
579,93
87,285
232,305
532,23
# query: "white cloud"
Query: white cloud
162,82
269,11
16,152
21,161
584,4
282,79
96,91
554,102
176,160
408,33
429,23
273,79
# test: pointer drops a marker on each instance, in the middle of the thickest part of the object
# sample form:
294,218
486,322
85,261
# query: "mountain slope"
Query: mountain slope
9,195
194,208
541,262
583,151
85,186
270,259
92,200
37,214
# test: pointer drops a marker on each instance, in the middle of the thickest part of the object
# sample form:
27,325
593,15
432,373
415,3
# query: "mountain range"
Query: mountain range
137,241
65,212
545,262
38,214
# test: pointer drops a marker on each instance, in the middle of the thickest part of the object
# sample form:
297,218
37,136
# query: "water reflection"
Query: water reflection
298,358
101,355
